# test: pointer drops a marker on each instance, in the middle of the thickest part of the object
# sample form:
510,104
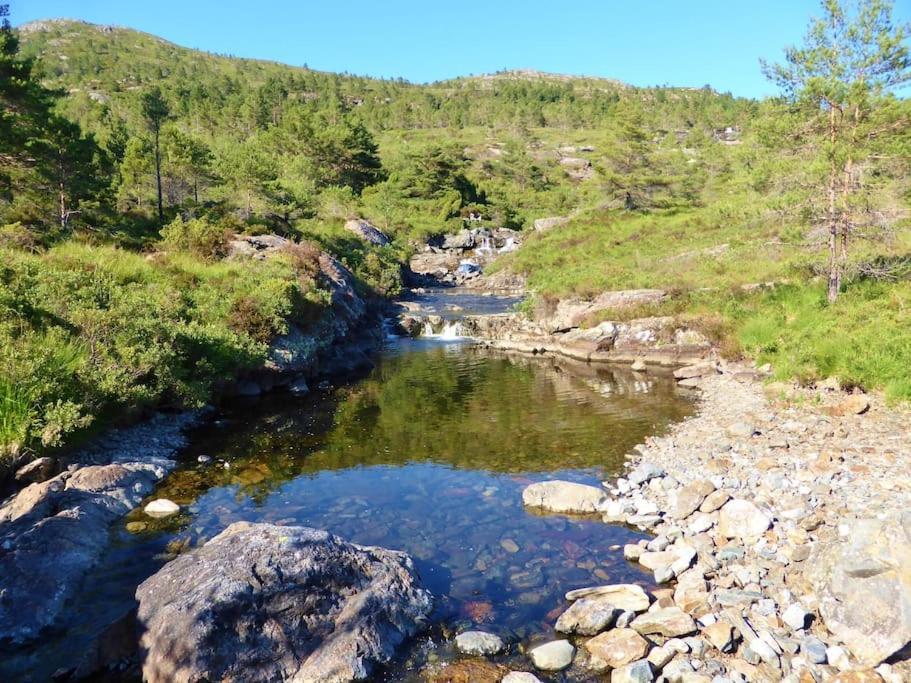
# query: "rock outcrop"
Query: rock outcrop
263,603
52,533
367,232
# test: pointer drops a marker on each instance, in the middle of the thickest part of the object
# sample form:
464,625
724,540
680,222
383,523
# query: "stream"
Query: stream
428,453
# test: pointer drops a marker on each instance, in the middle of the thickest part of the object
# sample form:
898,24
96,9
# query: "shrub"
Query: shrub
198,236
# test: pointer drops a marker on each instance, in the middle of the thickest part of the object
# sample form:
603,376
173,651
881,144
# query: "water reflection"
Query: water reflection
428,454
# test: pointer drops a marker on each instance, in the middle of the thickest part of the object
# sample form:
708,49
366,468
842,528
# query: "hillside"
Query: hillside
122,141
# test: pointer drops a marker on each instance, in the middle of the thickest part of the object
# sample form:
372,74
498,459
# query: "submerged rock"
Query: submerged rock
564,496
479,643
552,656
161,507
261,603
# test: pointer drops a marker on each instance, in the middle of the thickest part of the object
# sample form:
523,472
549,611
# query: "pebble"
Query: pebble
479,643
161,507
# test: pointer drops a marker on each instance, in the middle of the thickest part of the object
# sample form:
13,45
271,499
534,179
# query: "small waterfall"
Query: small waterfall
486,246
450,329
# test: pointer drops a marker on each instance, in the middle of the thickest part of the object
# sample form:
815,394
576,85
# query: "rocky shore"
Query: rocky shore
54,528
781,543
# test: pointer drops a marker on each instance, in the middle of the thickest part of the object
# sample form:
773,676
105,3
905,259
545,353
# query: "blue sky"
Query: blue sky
644,42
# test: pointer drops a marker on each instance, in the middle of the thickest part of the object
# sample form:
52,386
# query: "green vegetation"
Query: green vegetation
129,163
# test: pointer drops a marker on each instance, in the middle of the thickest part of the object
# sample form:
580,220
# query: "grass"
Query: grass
708,263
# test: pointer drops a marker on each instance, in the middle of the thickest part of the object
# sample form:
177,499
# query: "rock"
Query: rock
865,676
856,404
645,472
690,497
714,501
552,656
638,366
742,519
509,545
464,671
637,672
464,239
542,224
38,470
741,430
669,622
814,650
624,596
299,386
367,232
161,507
587,617
564,496
795,616
618,647
838,657
261,603
571,313
863,584
720,635
479,643
697,370
520,677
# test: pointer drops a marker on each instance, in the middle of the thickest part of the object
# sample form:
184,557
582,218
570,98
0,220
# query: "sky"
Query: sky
641,42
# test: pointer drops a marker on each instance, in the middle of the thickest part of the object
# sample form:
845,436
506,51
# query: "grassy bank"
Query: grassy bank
711,261
94,334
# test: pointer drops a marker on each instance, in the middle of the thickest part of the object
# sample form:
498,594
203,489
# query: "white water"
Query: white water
452,329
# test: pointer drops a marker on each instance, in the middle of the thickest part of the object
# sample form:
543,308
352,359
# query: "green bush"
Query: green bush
197,235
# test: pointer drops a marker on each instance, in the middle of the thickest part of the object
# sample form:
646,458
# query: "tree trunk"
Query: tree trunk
158,179
63,214
834,281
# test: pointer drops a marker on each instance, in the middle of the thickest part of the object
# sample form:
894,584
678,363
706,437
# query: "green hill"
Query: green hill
700,193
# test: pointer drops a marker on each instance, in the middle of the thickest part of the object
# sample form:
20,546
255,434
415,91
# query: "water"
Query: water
428,454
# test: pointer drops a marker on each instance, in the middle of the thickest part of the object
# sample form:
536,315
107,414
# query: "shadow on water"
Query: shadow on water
428,454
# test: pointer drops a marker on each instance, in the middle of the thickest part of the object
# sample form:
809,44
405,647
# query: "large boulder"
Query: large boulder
263,603
564,496
863,582
52,533
570,313
367,232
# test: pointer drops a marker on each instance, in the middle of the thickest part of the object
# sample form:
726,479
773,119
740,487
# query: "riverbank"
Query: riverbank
779,531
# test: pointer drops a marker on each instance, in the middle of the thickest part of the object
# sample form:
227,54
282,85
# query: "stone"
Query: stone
697,370
669,622
638,365
36,471
367,232
624,596
645,472
690,497
479,643
564,496
543,224
742,519
795,616
552,656
464,671
637,672
838,657
741,430
618,647
261,602
814,650
720,635
161,507
863,585
632,551
714,501
660,656
587,617
520,677
856,404
860,676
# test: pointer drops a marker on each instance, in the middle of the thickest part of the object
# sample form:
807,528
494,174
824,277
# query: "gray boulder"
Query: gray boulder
863,582
263,603
367,232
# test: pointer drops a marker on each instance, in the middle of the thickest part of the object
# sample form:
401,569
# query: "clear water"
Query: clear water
428,454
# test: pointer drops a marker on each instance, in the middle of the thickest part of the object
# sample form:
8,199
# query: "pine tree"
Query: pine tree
155,111
852,58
